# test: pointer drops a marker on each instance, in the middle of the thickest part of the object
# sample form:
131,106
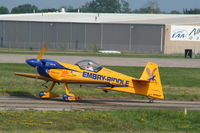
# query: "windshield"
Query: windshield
89,65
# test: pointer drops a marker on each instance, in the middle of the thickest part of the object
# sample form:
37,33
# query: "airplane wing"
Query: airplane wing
35,76
69,80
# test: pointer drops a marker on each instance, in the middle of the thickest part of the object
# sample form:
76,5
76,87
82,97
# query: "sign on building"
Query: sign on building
185,33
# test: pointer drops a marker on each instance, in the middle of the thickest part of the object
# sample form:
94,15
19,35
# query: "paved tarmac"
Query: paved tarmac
23,103
110,61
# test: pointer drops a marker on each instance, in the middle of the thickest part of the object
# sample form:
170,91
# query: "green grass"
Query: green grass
178,83
100,121
90,53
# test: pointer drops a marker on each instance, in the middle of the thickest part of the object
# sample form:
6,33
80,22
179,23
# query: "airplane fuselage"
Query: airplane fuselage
70,73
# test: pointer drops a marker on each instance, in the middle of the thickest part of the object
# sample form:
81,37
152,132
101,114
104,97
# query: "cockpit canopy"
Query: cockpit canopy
83,65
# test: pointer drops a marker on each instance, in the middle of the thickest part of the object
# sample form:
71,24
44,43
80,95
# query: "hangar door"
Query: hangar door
147,38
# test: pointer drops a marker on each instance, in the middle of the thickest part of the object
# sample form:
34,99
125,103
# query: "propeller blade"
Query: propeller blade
27,58
42,53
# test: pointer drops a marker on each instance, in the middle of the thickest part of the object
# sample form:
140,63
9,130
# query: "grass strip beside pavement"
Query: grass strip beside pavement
100,121
79,53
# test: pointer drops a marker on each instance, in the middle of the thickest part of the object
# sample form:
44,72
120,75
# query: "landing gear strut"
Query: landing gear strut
48,94
69,96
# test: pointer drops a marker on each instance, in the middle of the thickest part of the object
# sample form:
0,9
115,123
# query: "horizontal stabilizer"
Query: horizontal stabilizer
141,80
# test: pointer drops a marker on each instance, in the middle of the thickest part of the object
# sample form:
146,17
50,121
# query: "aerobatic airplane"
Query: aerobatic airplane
89,72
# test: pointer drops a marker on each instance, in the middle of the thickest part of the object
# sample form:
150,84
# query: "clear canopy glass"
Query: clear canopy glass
83,64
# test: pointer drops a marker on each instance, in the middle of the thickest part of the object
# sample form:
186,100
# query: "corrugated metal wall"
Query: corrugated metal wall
135,37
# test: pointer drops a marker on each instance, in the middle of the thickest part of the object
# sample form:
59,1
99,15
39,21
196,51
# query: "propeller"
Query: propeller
42,53
36,62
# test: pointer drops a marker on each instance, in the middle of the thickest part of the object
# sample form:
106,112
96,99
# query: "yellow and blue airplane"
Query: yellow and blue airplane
89,72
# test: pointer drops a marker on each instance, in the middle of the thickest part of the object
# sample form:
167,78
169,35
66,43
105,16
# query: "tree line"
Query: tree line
98,6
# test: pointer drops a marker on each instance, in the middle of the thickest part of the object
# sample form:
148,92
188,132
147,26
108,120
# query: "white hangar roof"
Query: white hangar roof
105,18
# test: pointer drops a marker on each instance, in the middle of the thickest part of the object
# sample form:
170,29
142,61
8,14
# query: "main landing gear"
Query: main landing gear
67,97
48,94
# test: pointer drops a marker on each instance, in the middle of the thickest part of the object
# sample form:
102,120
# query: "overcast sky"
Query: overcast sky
165,5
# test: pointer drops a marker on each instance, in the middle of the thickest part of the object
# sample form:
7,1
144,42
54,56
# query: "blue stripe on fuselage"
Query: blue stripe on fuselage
50,64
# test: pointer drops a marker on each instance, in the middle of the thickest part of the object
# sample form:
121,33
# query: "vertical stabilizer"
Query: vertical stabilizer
153,88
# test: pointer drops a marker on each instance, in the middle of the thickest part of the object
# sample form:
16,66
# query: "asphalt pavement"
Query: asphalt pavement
110,61
27,103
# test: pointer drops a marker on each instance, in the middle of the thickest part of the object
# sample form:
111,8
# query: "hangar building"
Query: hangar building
140,33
